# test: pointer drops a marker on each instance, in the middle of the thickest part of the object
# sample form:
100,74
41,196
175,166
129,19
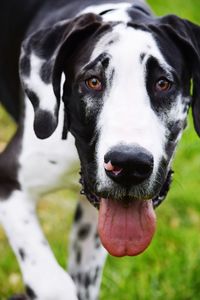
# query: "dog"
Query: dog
106,84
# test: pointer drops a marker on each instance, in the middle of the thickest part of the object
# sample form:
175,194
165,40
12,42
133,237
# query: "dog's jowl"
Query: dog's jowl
106,84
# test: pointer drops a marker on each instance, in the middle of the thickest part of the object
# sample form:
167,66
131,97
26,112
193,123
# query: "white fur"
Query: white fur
44,91
119,13
39,266
92,257
127,116
45,164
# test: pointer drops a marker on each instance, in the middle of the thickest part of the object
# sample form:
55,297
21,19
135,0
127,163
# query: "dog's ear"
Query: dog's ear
186,36
40,69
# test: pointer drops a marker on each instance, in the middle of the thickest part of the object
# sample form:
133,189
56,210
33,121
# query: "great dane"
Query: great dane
110,83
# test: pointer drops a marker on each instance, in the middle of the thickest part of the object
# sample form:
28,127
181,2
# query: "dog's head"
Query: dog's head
127,92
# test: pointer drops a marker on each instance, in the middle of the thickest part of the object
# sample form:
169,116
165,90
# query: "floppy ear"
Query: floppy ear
40,69
187,36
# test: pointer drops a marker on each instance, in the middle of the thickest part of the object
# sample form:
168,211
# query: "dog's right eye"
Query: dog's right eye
94,84
163,85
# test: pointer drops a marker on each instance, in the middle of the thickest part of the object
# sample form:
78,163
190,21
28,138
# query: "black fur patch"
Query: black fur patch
22,254
87,281
53,162
46,72
30,292
44,123
7,186
78,214
105,62
142,56
45,42
25,66
78,255
84,231
96,275
79,296
33,97
9,167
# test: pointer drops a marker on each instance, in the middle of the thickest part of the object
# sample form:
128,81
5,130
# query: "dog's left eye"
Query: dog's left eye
94,83
163,85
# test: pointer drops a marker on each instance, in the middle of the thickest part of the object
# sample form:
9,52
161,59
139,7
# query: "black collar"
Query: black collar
94,200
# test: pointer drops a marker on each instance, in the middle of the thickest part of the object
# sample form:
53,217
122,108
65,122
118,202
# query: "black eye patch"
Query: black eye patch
154,68
95,69
154,73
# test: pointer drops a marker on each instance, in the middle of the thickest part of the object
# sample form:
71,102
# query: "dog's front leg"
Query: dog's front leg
44,279
87,255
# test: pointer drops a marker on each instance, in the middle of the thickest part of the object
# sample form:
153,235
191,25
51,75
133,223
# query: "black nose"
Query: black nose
128,164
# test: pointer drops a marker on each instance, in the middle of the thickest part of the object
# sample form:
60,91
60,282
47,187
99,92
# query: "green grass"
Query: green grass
170,268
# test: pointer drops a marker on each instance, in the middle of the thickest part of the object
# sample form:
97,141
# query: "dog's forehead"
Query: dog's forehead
125,43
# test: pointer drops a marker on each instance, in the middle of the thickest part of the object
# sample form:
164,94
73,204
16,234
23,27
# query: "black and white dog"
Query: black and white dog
116,80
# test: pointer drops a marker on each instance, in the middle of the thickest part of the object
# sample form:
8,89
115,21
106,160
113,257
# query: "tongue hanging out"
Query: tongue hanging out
126,230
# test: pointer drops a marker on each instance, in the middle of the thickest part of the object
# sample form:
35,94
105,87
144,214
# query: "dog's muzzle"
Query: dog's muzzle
127,225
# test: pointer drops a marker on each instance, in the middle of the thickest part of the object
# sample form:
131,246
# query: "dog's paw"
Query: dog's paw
19,297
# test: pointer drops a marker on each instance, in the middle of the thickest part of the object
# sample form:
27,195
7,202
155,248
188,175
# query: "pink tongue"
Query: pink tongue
126,230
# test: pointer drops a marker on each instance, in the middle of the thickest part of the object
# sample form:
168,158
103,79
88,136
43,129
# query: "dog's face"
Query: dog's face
127,95
131,103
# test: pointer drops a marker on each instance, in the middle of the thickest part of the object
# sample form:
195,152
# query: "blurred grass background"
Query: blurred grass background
170,268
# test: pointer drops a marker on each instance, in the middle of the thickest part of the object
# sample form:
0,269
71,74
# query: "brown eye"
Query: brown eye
94,84
162,85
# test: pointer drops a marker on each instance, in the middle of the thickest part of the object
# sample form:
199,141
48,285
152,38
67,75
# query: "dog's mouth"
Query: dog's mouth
127,227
